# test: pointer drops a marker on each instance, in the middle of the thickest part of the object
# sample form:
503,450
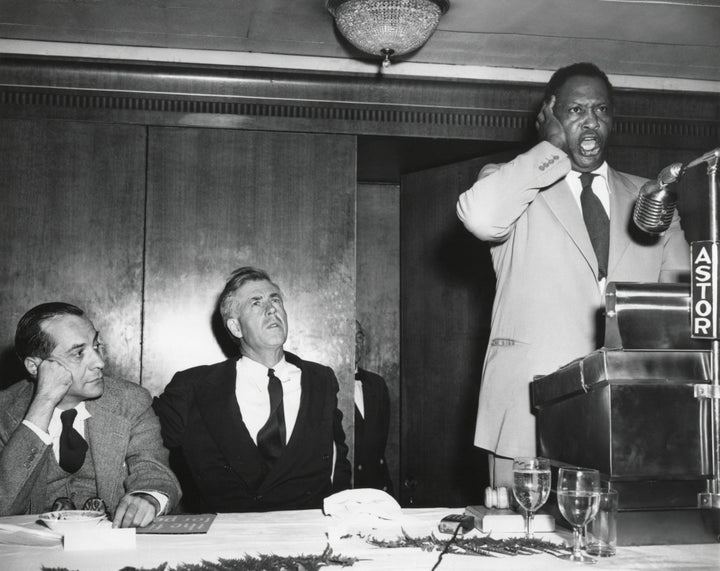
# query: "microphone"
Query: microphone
656,202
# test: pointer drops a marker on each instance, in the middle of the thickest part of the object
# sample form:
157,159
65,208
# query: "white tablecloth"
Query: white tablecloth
309,532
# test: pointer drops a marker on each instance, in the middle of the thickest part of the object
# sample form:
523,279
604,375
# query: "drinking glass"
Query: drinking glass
578,495
531,486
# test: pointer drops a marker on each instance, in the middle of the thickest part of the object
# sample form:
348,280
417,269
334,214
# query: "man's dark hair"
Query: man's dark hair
237,279
30,338
583,69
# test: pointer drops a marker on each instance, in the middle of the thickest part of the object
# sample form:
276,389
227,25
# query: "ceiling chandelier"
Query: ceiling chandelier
387,28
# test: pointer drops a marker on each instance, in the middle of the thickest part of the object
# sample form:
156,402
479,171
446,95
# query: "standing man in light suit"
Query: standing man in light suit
558,236
72,433
261,432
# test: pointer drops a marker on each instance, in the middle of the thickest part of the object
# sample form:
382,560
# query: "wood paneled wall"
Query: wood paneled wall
218,200
72,205
378,297
141,228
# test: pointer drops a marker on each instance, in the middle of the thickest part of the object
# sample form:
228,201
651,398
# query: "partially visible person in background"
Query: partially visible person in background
372,423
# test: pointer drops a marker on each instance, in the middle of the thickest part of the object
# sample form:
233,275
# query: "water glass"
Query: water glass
531,486
601,539
578,495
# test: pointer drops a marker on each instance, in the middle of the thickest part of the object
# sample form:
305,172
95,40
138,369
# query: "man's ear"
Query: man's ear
31,365
233,326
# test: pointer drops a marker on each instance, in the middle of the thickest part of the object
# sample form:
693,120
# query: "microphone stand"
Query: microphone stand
711,392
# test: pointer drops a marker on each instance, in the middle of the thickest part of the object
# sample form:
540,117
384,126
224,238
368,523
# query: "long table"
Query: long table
292,533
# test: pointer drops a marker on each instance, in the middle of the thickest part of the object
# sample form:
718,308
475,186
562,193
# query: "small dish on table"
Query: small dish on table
67,520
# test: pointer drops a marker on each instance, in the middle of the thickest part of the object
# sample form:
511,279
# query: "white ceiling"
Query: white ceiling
655,43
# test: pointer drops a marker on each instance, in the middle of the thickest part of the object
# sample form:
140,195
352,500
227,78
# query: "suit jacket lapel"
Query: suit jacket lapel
563,205
622,200
304,419
218,406
104,430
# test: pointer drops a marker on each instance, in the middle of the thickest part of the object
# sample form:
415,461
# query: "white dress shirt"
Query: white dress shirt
251,392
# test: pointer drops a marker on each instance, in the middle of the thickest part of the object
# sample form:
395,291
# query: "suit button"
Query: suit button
382,461
359,467
542,167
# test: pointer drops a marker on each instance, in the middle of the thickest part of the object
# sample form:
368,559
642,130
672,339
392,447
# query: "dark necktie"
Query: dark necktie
271,438
596,221
72,446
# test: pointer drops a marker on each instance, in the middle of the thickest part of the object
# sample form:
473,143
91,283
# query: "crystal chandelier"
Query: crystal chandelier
387,28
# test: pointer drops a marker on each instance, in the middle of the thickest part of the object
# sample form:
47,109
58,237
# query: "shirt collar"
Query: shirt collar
55,426
258,371
602,171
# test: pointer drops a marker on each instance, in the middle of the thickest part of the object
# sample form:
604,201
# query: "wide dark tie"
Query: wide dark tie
72,446
596,221
271,438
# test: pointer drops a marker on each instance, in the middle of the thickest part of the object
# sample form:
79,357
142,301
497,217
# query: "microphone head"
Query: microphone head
654,208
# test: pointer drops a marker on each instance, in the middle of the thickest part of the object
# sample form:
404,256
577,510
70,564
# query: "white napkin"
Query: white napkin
364,512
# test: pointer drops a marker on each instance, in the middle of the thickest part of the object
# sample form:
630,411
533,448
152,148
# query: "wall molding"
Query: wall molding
205,96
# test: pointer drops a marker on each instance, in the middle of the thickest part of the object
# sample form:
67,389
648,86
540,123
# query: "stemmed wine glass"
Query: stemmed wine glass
531,486
578,495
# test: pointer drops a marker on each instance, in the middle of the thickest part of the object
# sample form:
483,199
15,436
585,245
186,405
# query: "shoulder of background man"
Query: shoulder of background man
369,378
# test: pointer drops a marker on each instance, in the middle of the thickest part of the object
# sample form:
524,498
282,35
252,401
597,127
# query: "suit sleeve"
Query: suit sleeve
502,193
172,408
342,472
147,458
22,458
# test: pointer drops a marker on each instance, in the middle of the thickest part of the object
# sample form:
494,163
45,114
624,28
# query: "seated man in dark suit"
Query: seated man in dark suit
261,432
372,423
74,434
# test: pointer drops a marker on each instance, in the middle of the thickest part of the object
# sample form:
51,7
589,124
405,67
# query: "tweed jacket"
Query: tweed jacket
123,437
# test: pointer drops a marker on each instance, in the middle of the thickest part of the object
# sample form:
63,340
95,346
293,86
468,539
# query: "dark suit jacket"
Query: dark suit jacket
123,437
371,434
219,465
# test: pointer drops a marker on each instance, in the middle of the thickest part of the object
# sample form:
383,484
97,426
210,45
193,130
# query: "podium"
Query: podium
630,411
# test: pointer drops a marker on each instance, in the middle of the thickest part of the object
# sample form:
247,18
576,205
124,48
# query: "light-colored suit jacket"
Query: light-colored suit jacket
547,303
123,436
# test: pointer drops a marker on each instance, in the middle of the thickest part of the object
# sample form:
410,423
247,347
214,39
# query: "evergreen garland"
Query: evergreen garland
483,546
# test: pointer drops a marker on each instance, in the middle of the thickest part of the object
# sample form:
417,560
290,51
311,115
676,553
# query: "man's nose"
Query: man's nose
97,362
590,120
270,307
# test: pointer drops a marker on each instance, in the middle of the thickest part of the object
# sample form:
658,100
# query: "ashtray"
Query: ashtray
65,520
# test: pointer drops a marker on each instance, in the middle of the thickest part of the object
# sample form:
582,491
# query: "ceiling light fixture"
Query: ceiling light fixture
387,28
